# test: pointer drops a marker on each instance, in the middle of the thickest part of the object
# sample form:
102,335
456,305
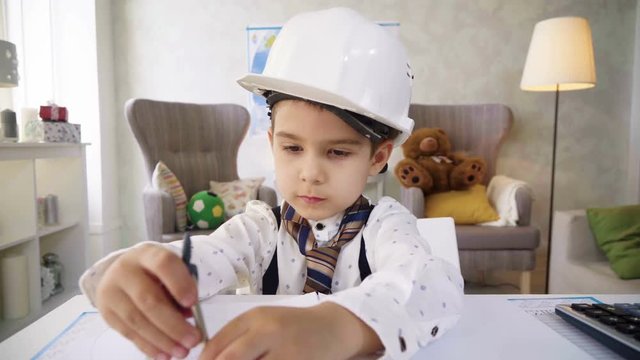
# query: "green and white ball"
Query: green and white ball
206,210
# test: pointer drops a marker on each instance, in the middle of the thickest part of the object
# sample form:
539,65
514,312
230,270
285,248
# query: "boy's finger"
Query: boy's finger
141,328
173,274
164,318
146,347
233,330
246,346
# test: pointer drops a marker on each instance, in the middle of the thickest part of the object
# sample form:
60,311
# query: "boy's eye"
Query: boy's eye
292,148
339,153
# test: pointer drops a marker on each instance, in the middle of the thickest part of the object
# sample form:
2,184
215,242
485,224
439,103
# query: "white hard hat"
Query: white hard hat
339,58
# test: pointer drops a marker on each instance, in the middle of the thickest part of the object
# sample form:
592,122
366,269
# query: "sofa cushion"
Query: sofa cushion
473,237
464,206
488,260
617,233
164,179
236,194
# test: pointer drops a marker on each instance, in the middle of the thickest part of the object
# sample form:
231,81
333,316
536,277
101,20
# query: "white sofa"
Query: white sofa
578,266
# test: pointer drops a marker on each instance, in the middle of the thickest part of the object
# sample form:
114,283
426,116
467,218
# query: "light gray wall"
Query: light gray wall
634,133
106,235
462,51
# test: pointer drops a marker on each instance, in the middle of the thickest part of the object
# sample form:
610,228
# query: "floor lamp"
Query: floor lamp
560,58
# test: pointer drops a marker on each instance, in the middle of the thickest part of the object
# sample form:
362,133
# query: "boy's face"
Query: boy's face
321,163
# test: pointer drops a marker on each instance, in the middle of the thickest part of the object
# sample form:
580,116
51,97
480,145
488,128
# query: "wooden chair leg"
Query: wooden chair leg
525,282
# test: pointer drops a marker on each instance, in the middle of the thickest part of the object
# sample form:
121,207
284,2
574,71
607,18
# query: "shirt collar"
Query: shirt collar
325,229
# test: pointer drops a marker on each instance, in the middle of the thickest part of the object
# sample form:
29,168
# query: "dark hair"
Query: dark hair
373,130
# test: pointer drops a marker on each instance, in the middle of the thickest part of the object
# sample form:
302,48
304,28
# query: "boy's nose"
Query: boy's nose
311,171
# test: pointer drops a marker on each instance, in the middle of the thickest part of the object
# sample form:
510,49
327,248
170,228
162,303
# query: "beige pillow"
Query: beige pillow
164,179
235,194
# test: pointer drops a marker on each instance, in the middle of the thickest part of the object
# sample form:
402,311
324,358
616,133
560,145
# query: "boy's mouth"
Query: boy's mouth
310,199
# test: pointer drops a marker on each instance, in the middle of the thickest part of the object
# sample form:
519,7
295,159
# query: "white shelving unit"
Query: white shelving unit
29,171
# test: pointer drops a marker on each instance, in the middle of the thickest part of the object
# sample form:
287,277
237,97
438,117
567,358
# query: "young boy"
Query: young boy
338,87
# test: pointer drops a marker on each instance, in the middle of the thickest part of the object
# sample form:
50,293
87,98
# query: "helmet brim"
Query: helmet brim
258,84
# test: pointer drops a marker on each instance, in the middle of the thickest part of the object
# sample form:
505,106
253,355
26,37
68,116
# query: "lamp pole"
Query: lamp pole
560,54
553,179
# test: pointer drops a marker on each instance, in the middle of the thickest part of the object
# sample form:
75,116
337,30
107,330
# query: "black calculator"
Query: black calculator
617,326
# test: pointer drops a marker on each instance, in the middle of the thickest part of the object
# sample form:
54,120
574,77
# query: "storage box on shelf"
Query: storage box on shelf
29,171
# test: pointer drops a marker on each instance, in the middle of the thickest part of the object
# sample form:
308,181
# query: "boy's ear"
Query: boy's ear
270,136
380,157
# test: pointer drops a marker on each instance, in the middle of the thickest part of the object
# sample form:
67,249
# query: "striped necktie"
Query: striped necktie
321,261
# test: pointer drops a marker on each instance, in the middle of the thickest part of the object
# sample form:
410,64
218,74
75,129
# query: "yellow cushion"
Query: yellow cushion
465,207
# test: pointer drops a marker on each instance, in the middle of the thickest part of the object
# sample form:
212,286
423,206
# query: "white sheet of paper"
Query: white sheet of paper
491,325
486,327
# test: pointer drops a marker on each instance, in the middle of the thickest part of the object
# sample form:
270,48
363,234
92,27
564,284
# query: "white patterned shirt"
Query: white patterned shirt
410,299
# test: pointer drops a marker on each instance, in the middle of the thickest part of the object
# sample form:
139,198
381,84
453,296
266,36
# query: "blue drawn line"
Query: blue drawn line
55,339
561,298
249,28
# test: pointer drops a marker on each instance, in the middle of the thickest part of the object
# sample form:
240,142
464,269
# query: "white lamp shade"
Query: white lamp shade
8,64
560,55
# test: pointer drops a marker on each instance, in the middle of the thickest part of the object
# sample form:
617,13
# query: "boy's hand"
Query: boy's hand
273,332
136,298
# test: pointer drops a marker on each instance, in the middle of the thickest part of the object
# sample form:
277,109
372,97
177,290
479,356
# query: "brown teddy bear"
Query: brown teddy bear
430,165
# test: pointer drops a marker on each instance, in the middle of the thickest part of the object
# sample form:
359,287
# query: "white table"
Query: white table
487,330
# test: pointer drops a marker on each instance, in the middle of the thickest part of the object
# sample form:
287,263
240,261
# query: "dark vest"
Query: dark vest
270,278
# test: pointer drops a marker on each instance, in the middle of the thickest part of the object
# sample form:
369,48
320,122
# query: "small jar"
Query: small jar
52,262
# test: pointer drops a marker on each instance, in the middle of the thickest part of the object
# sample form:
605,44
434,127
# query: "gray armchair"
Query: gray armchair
480,130
199,143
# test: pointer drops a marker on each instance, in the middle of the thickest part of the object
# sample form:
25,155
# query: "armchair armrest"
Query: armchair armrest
572,239
524,202
159,213
413,199
512,200
267,195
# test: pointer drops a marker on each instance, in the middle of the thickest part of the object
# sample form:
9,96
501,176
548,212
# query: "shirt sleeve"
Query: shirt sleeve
238,253
412,297
91,277
231,257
